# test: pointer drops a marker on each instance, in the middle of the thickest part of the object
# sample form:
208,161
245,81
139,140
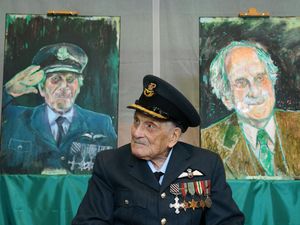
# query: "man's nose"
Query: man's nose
254,90
138,130
63,83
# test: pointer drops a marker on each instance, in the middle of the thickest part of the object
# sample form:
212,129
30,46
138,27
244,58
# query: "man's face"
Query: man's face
60,90
253,95
151,139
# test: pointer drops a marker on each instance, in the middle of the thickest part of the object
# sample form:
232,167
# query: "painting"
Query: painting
249,72
60,92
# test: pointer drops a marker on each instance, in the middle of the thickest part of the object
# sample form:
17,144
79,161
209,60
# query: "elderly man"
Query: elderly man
57,136
156,179
256,140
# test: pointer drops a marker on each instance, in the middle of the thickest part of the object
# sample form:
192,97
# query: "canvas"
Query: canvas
249,89
58,67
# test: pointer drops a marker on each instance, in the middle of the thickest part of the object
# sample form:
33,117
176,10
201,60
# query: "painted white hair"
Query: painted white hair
218,76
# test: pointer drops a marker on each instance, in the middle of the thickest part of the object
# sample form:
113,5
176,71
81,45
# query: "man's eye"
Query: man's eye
70,79
151,126
260,77
241,83
136,121
55,79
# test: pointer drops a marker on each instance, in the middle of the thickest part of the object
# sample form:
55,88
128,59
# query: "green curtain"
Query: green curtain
53,200
40,200
268,202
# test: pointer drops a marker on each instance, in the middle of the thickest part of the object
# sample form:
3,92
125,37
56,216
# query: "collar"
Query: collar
52,115
163,167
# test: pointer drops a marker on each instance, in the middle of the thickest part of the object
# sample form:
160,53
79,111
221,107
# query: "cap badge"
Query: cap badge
63,54
149,92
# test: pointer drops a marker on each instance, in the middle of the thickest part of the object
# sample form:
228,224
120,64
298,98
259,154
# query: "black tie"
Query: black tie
61,133
158,175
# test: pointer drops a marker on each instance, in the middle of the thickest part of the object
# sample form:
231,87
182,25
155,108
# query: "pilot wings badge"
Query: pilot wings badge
93,136
190,173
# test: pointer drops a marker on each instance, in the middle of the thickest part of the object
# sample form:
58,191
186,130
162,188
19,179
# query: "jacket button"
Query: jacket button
126,201
62,158
163,221
163,195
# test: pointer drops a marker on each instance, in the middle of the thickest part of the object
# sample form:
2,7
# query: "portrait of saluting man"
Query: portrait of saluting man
257,139
57,135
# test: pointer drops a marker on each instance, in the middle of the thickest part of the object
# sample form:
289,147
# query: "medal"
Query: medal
174,189
207,186
176,205
191,188
198,188
186,205
202,188
193,204
208,201
202,185
183,188
202,203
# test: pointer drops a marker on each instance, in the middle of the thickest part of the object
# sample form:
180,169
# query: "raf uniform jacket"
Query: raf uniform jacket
226,138
124,191
28,146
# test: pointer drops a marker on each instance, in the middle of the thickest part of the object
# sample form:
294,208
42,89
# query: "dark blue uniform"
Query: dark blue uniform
123,191
28,146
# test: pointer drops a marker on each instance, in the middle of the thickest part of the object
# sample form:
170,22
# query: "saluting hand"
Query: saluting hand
25,82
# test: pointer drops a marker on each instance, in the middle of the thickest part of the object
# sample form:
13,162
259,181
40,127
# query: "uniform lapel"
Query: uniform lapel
78,125
241,161
279,157
177,164
40,125
287,144
140,170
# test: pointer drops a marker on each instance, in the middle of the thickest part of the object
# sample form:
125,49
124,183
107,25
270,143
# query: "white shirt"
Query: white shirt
162,168
52,116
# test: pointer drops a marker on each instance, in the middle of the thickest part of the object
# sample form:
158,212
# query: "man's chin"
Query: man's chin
138,153
62,109
256,117
138,150
260,113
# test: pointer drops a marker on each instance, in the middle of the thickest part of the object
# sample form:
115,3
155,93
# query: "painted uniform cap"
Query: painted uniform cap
161,100
61,57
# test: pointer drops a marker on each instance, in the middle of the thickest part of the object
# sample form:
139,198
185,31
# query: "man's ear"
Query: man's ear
175,137
227,102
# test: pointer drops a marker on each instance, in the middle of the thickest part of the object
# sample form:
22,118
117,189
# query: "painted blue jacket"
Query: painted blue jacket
28,146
